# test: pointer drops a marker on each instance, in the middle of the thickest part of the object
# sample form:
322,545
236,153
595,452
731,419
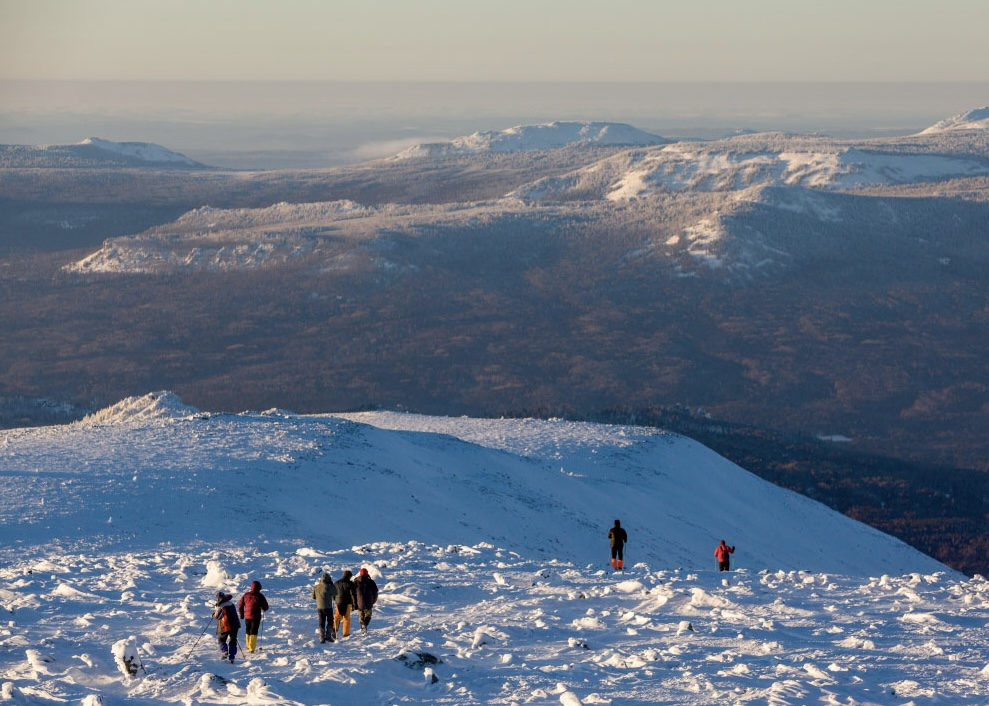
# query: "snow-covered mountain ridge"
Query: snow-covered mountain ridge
143,151
442,480
529,138
977,119
95,152
487,541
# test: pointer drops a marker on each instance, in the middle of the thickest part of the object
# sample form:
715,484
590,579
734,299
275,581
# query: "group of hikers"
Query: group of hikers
334,602
619,538
336,599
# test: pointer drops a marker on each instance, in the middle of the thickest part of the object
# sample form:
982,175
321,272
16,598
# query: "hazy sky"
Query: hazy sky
495,40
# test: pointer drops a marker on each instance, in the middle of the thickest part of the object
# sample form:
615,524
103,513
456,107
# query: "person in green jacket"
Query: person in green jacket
325,593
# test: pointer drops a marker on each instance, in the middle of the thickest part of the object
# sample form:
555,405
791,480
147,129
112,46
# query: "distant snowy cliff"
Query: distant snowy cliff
977,119
547,136
94,153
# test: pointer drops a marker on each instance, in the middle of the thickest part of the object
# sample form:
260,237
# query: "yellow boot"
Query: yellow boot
252,643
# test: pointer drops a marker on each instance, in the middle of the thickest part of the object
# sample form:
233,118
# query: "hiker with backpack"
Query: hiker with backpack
366,593
227,625
324,593
251,609
723,555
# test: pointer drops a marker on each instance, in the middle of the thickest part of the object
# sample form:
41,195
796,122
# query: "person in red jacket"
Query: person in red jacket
251,609
366,594
723,554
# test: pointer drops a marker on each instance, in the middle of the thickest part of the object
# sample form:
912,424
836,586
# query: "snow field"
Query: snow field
488,541
479,625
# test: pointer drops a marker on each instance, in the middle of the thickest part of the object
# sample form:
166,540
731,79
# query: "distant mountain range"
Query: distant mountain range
825,286
773,175
813,307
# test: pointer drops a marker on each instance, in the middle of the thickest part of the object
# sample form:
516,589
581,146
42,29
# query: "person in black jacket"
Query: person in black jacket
366,593
345,601
618,538
227,625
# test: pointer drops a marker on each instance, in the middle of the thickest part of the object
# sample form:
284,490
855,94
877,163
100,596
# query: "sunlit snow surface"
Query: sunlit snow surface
487,540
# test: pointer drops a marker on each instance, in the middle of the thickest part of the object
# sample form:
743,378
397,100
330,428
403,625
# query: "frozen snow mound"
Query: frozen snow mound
547,136
977,119
154,406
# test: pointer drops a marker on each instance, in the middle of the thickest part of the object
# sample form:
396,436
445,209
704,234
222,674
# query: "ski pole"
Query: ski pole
260,632
199,638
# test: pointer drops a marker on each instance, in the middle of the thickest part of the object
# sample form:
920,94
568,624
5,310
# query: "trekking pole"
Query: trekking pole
257,646
199,638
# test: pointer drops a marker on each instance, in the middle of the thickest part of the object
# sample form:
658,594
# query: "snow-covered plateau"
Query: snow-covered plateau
487,539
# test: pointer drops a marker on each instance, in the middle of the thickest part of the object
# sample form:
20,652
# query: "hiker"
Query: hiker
723,554
366,592
618,538
345,601
324,592
227,625
251,609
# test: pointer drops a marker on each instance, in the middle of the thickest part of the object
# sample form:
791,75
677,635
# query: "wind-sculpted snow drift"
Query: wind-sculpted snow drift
487,540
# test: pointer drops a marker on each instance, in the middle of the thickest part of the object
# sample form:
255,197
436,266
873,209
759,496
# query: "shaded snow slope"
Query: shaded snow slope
486,539
547,487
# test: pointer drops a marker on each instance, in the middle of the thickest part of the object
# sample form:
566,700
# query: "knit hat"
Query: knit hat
363,571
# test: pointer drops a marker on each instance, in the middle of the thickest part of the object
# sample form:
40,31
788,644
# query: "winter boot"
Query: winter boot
252,643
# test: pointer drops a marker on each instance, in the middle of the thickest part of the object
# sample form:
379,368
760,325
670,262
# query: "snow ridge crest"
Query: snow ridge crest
154,406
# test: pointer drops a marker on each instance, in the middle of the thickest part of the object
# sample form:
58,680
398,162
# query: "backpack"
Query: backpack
224,620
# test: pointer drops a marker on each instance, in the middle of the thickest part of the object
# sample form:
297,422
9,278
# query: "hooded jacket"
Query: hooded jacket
324,592
617,535
365,590
225,608
253,603
722,552
345,591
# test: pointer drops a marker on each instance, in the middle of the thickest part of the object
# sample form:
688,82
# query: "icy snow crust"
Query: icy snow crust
487,540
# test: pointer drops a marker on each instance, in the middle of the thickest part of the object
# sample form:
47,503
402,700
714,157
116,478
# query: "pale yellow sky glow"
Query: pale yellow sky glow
505,40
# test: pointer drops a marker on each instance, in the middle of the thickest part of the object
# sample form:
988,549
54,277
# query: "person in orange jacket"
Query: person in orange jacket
723,554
